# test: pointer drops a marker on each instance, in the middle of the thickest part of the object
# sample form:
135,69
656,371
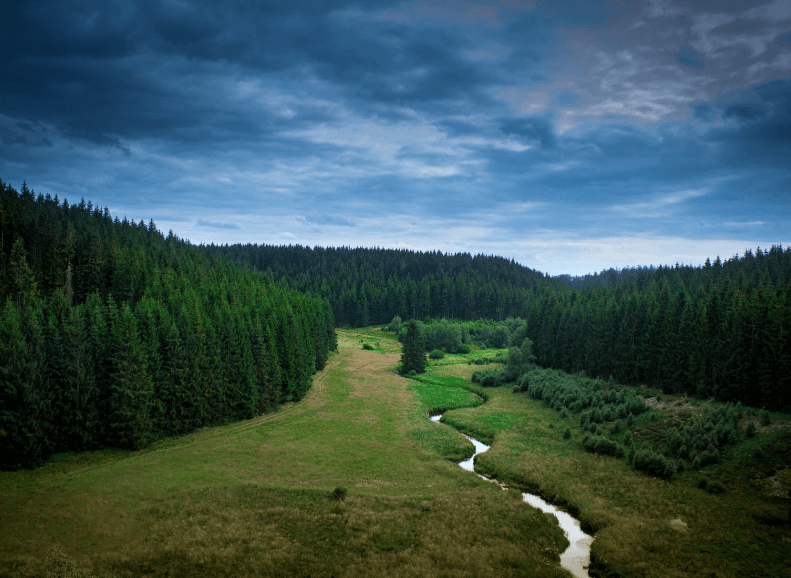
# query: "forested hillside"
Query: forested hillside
373,285
112,334
721,330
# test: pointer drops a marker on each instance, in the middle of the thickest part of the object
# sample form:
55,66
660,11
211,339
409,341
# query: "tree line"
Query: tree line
718,330
371,286
115,335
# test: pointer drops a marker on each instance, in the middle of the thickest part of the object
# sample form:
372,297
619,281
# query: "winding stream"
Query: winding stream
576,557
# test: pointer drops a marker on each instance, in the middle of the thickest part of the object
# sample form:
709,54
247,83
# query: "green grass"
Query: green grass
739,533
255,498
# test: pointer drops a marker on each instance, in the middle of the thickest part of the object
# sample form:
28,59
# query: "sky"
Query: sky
571,136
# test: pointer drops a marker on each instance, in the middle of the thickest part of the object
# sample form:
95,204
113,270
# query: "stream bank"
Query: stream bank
576,557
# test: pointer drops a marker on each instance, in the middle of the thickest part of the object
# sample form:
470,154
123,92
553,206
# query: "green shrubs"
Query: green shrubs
489,378
567,434
600,445
464,349
765,418
715,488
436,354
368,347
751,429
338,494
653,464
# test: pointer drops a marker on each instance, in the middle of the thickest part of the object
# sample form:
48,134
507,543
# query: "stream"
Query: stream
576,557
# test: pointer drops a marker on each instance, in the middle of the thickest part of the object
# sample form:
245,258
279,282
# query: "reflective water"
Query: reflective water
577,556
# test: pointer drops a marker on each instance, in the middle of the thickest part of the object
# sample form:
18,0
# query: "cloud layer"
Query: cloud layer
571,139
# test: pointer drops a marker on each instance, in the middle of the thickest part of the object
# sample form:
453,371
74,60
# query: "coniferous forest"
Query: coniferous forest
113,334
721,330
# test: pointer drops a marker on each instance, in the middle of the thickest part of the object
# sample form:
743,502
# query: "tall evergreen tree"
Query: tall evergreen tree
413,357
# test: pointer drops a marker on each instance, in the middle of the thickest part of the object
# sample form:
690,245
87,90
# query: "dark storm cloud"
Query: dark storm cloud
758,132
688,57
103,71
403,117
532,129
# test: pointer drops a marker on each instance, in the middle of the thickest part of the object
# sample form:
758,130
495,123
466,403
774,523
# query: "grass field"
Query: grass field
644,526
255,498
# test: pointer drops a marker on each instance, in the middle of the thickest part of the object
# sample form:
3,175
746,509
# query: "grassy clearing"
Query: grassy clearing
255,498
645,526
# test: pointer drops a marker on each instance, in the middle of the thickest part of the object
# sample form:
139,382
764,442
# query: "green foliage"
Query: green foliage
567,434
680,329
653,464
464,349
338,494
436,354
112,334
368,347
413,357
715,487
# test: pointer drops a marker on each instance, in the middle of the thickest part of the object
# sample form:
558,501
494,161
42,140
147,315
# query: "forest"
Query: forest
115,335
720,330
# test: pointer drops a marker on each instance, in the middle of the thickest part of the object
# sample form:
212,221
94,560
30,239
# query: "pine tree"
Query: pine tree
413,357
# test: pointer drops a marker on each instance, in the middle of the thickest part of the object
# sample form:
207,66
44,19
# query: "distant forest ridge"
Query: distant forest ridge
720,330
112,334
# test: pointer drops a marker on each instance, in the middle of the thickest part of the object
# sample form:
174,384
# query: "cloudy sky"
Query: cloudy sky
572,136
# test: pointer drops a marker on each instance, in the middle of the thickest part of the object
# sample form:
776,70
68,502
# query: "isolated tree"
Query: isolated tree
413,356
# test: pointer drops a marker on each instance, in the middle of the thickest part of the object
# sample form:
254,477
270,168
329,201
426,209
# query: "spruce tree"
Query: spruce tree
413,356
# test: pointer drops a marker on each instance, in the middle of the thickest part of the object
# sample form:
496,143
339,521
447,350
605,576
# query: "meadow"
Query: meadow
644,526
355,479
351,481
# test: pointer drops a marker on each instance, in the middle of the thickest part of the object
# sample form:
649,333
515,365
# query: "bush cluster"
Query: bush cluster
489,378
600,445
652,463
699,441
560,390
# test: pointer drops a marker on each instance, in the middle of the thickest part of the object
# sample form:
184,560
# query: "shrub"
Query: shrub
605,447
653,464
412,373
765,418
715,488
567,433
750,431
464,349
436,354
367,346
338,494
702,483
492,378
